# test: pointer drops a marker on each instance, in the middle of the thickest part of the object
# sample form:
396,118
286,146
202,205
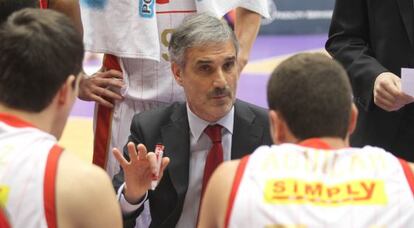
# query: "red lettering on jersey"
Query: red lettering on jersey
279,187
368,190
333,191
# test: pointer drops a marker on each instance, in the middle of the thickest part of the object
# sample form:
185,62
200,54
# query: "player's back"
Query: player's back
296,186
40,186
26,193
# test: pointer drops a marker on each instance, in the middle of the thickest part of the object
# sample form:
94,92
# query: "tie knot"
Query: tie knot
214,132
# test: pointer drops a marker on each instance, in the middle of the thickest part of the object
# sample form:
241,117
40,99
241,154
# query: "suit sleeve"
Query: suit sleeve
349,43
118,179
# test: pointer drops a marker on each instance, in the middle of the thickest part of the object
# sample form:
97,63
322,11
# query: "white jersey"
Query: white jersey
117,28
300,186
27,191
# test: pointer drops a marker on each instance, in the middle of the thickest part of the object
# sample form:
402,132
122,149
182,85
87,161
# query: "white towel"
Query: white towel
128,28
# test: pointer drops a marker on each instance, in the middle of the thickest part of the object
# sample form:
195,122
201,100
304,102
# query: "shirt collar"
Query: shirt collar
14,121
197,125
315,143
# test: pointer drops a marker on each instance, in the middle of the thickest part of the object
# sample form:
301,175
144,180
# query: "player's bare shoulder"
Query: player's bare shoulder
84,195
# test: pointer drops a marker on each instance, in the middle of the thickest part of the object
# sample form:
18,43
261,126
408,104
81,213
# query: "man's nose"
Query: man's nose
220,79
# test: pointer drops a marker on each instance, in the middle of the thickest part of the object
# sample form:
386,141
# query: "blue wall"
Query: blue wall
299,17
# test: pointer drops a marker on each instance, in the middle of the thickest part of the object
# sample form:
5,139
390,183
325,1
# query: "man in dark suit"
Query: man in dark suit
203,53
374,40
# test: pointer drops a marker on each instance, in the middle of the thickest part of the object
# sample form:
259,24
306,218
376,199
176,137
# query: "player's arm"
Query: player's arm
215,202
85,197
349,43
70,8
246,27
103,86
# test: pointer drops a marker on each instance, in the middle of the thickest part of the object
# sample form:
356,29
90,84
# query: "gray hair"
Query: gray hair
197,30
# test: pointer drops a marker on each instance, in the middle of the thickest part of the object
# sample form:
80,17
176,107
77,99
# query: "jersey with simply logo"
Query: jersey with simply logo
311,185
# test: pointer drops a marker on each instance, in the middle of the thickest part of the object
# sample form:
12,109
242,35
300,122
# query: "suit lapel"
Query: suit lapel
176,139
246,135
407,14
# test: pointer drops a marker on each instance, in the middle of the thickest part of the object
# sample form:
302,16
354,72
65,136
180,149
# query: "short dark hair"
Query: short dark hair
313,94
7,7
39,49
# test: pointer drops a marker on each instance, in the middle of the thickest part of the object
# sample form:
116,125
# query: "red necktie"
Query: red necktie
215,155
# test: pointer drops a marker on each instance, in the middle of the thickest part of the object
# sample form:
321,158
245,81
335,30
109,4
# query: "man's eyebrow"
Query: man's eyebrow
231,58
208,61
203,61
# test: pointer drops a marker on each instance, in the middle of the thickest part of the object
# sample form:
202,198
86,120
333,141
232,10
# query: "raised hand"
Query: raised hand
139,171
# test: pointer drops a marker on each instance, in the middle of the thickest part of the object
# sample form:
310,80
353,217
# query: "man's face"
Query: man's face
209,79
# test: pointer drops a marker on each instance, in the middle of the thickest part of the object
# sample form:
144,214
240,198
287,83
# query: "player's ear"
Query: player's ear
352,119
68,88
276,129
176,69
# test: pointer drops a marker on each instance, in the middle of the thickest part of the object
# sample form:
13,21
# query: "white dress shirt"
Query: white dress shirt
200,145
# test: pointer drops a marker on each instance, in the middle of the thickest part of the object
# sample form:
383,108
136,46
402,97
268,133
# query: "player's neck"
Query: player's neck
335,143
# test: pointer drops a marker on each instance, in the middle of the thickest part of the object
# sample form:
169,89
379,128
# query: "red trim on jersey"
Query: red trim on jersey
315,143
408,174
14,121
236,182
44,4
104,121
162,1
176,11
49,192
4,223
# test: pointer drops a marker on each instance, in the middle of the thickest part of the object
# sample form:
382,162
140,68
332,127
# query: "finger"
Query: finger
164,163
391,88
101,101
142,151
115,83
397,83
109,74
153,163
389,106
109,94
384,95
384,104
118,155
115,74
108,82
98,84
132,152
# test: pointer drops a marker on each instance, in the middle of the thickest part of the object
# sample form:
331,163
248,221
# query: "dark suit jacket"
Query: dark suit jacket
370,37
169,126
